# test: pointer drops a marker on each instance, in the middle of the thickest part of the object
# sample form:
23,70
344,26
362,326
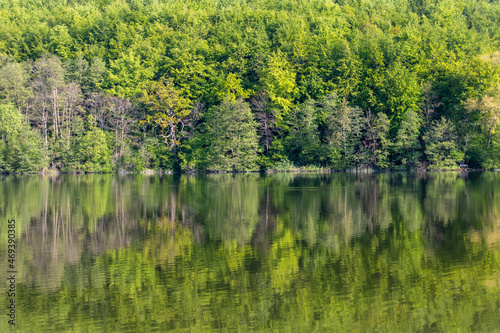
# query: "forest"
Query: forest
248,85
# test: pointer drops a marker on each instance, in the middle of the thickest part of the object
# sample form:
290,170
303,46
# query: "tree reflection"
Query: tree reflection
342,251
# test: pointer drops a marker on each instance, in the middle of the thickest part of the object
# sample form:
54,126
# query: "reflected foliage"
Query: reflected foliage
336,252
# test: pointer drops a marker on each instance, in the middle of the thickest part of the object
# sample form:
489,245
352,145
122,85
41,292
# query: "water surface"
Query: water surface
283,252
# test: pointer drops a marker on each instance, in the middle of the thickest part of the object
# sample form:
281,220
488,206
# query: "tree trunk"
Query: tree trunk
489,138
267,138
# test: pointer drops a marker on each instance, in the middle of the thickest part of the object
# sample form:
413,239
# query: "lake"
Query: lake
248,252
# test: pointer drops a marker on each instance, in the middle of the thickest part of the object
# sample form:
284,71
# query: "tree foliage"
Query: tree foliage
441,146
231,137
319,78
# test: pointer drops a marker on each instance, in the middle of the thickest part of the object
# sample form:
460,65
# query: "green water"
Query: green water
284,252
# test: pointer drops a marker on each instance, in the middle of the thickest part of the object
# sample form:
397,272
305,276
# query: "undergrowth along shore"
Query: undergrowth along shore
312,169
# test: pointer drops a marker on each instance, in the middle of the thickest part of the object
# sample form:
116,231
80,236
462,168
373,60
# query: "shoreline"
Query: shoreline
169,172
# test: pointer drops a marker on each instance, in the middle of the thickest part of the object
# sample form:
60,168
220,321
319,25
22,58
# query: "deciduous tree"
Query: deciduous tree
231,137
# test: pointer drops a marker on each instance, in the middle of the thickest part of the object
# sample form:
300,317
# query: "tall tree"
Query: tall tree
47,83
121,121
266,119
489,110
127,75
20,149
303,140
95,152
278,81
168,109
343,130
89,75
71,123
400,92
406,147
14,85
231,137
375,143
441,145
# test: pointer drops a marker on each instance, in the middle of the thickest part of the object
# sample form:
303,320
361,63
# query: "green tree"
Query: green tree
406,150
231,88
400,92
89,76
488,108
14,85
11,120
375,144
47,84
127,75
168,109
95,152
231,137
343,127
441,145
278,81
267,130
24,151
61,42
303,140
21,148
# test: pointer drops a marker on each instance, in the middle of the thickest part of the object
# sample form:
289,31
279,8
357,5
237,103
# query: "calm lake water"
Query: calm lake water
283,252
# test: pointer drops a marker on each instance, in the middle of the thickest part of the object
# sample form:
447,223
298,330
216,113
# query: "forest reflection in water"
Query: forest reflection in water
293,252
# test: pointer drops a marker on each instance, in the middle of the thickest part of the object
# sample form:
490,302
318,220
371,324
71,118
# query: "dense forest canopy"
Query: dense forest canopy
103,86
